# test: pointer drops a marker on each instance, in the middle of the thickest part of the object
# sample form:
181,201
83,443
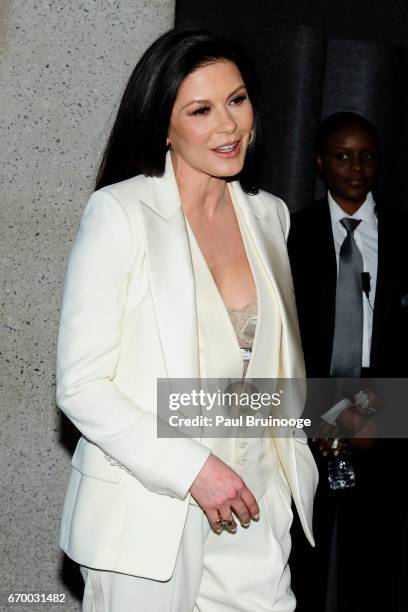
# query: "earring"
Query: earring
251,137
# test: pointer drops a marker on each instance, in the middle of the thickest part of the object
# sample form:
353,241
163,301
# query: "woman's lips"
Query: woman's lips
227,151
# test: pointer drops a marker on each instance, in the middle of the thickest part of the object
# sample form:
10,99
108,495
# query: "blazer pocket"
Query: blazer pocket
91,461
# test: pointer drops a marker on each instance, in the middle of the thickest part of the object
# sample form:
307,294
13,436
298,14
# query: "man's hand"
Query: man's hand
358,428
219,491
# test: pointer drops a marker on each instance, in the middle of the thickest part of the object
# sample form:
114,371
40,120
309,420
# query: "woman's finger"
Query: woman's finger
213,518
225,519
241,510
250,502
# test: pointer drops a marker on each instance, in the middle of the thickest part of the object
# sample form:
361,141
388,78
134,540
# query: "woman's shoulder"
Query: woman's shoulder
272,201
114,212
274,207
119,201
126,192
262,200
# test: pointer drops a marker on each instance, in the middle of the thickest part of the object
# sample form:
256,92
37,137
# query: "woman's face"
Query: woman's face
211,121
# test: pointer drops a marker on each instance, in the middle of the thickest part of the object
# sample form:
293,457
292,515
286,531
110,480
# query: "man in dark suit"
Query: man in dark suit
349,266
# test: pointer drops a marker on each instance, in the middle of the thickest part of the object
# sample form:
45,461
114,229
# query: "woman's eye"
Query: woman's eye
203,110
239,99
342,156
369,156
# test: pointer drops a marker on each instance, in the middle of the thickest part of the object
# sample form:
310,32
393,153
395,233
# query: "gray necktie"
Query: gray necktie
348,329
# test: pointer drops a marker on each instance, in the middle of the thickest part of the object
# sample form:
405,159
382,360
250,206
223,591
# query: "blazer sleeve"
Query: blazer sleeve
88,350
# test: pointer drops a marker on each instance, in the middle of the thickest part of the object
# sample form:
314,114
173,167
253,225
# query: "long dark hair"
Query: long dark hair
137,143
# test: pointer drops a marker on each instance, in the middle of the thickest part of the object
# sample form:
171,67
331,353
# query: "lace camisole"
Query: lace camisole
244,322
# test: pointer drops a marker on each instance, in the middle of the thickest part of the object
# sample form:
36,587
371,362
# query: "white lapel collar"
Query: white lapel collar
265,228
264,361
248,203
162,194
171,275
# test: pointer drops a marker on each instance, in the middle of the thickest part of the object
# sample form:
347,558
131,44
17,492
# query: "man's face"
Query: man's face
349,165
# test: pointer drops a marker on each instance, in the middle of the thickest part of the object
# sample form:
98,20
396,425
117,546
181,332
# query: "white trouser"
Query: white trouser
242,572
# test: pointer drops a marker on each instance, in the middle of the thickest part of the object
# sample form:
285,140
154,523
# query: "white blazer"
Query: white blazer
129,317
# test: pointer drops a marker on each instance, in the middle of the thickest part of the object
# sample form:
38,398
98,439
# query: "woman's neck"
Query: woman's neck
200,194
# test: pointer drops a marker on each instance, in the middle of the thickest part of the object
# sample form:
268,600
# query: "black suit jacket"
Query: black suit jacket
313,261
375,505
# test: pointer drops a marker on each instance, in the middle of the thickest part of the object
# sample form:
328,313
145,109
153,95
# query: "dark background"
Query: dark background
314,58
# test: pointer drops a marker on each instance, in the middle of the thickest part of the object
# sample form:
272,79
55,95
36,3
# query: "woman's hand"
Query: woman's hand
219,490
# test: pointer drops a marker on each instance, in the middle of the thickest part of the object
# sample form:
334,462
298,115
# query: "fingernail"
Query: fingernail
256,517
246,524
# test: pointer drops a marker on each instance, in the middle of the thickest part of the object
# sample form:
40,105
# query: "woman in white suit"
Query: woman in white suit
179,270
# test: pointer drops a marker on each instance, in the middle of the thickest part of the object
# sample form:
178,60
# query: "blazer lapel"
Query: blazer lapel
326,268
171,275
385,281
268,244
317,293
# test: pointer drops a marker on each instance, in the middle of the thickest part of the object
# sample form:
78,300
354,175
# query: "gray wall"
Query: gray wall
63,66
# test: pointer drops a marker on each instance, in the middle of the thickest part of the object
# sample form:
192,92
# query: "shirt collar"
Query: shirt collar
366,211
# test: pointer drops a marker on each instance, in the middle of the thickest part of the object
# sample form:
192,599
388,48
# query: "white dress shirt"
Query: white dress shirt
366,238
